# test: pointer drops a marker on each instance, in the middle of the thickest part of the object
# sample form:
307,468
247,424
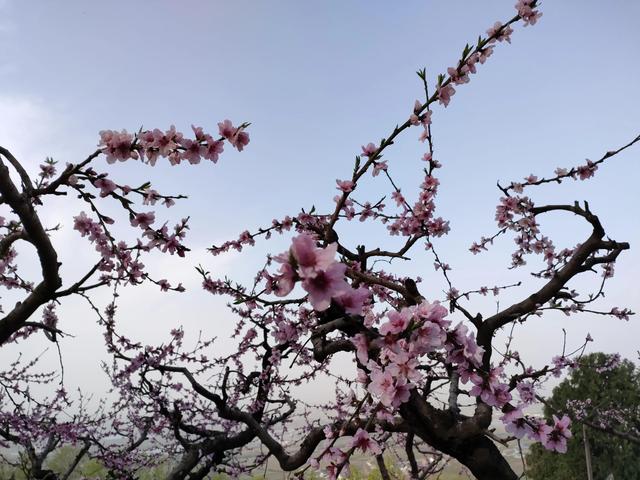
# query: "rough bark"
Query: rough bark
459,437
35,233
187,463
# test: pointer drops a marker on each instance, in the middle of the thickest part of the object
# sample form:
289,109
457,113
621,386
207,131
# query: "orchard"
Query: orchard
342,329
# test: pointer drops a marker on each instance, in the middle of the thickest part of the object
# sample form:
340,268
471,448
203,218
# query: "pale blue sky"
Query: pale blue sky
317,80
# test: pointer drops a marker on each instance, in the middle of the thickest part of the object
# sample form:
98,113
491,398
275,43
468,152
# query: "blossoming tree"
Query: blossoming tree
36,426
426,378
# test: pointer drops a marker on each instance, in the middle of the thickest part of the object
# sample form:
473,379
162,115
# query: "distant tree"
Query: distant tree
603,393
427,377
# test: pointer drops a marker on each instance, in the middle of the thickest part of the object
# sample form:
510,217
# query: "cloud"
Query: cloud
29,128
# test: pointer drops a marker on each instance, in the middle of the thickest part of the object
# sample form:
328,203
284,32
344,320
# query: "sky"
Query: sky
317,80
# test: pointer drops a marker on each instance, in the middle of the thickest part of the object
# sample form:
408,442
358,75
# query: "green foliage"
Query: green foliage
617,388
10,473
356,473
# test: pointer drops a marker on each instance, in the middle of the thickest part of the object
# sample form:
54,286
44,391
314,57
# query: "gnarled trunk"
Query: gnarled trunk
188,462
463,441
483,458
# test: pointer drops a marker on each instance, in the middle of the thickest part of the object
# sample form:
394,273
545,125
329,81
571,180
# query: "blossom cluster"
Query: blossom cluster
527,11
117,257
419,219
514,213
388,367
247,238
320,274
552,437
149,145
405,337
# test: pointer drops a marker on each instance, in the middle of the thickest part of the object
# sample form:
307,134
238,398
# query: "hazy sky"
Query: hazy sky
317,80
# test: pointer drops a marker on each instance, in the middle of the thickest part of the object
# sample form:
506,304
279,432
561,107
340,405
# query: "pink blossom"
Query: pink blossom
433,312
556,438
559,363
403,365
325,285
213,149
459,77
390,392
608,270
345,185
336,458
83,224
192,150
353,300
484,54
428,338
414,118
285,332
240,139
426,119
362,441
236,136
117,145
226,129
47,170
445,93
362,347
397,322
586,171
463,347
284,282
515,423
166,142
517,187
398,197
528,14
424,135
105,185
198,133
49,316
620,314
143,220
526,391
311,259
489,388
381,383
401,392
369,149
151,197
379,167
539,431
504,35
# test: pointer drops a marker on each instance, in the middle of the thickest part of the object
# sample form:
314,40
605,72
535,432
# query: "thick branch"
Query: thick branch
581,259
38,236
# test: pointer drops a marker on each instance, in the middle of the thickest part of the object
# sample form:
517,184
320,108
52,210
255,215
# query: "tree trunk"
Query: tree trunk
474,450
188,462
485,461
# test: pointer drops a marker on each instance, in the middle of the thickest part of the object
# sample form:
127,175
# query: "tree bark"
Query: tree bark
484,460
187,463
462,439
